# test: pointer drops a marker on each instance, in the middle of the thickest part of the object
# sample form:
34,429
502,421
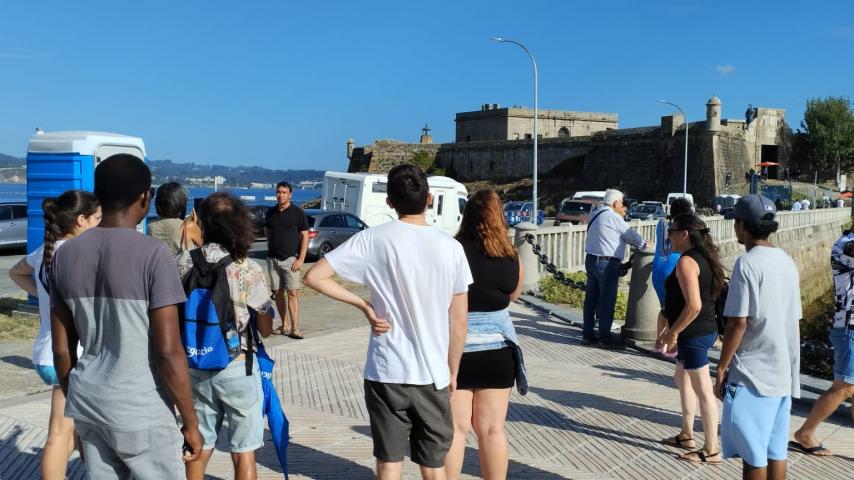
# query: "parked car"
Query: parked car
258,212
327,230
644,211
518,212
576,211
13,225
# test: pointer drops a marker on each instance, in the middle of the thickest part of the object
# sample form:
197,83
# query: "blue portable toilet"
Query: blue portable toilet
60,161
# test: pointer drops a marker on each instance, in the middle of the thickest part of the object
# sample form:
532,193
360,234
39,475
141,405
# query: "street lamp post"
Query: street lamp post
534,63
685,173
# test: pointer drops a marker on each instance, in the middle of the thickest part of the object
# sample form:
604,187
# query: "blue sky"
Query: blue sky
284,84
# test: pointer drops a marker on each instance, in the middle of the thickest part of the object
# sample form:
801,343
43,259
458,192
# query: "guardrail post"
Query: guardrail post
643,306
527,257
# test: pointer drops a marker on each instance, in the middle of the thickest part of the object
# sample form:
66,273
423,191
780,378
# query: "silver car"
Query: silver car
13,225
327,230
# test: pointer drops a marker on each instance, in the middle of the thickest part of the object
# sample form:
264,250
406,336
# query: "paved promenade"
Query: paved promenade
590,414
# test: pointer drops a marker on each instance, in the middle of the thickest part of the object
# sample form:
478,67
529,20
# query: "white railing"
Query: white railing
564,245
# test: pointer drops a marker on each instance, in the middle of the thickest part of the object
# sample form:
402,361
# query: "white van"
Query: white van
591,195
674,195
364,195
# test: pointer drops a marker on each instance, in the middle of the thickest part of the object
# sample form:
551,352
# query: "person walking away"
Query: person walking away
758,372
286,228
171,224
65,217
796,206
117,291
492,360
418,332
842,339
233,393
607,235
689,313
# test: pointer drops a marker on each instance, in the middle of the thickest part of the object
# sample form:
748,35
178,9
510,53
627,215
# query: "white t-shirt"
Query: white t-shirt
43,347
765,288
413,272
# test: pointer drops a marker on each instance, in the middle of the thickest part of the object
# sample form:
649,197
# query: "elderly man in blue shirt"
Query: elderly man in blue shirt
607,236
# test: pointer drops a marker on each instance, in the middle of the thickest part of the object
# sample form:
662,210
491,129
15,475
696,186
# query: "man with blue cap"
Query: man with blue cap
760,357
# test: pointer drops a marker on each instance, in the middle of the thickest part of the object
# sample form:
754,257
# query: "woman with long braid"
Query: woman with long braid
65,216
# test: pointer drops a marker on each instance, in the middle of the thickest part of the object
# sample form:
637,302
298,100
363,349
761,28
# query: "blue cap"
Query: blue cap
756,210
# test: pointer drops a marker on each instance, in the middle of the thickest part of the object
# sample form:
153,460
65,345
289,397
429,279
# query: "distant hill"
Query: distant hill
167,170
8,161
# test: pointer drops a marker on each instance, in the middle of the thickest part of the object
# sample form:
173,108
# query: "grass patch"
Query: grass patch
555,292
16,328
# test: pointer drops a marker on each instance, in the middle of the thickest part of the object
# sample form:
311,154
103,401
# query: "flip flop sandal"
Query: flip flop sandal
679,442
281,331
699,456
297,335
818,451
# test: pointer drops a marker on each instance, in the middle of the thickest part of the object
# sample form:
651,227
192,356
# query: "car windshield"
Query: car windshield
645,209
576,207
513,206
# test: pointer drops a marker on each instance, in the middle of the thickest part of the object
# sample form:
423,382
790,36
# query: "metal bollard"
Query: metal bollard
643,307
529,261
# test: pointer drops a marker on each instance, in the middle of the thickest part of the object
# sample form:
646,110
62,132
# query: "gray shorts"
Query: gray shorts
414,415
145,454
281,275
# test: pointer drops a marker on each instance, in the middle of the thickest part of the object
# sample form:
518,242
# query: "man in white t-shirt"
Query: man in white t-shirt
758,372
418,276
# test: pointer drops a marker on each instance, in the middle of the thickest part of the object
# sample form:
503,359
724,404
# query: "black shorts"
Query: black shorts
487,369
417,415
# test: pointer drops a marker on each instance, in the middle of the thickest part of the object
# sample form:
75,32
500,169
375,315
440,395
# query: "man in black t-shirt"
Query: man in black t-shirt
286,228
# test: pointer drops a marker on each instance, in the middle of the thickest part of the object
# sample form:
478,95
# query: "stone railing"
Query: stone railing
564,245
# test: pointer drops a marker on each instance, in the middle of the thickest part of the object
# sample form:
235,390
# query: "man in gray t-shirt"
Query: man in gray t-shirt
760,357
117,291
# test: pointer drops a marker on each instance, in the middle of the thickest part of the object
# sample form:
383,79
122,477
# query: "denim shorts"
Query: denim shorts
842,340
47,373
693,352
230,394
754,427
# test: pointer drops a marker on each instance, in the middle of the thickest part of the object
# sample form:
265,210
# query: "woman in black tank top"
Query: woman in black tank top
689,312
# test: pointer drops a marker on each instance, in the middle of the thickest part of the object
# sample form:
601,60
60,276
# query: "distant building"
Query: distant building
495,123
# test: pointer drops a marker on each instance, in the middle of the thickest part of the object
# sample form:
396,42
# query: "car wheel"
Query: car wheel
323,250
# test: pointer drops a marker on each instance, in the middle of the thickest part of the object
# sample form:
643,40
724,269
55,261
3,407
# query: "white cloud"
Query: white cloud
725,69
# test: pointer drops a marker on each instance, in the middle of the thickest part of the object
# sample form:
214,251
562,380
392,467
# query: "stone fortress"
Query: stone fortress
590,152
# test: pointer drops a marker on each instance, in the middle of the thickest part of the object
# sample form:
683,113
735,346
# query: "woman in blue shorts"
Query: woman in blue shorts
689,310
66,216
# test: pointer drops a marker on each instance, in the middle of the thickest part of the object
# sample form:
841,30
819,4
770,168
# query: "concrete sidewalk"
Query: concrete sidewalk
590,413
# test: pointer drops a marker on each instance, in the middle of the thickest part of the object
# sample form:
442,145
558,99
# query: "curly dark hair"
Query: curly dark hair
226,220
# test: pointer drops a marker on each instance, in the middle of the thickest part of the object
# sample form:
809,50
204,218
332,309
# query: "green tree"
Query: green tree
423,160
829,133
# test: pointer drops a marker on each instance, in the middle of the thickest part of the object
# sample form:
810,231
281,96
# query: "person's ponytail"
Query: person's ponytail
60,218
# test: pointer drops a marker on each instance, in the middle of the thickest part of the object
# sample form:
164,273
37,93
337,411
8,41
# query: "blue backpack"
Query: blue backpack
208,329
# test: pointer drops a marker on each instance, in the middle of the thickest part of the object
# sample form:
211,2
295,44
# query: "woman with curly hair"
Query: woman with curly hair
231,393
492,360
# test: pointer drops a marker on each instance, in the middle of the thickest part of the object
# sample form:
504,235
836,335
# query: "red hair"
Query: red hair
483,221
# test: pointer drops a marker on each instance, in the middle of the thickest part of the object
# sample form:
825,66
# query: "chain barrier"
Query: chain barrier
551,268
562,277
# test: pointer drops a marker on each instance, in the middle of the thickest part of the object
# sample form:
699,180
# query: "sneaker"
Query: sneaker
589,340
